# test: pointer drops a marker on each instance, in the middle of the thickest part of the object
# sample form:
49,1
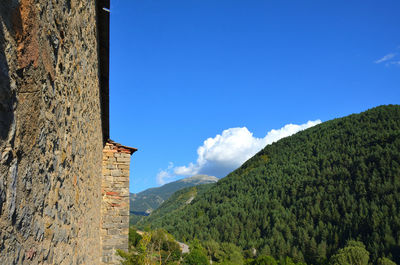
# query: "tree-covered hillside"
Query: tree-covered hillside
306,195
175,203
143,203
150,199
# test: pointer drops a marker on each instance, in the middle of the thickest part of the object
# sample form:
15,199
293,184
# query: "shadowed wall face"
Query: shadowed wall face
50,133
7,93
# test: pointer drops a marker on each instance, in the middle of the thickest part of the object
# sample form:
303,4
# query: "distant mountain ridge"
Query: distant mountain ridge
174,204
144,202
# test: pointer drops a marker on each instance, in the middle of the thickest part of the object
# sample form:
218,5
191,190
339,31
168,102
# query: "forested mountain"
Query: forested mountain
150,199
175,203
306,195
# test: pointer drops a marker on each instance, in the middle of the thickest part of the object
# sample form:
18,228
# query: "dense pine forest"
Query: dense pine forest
306,196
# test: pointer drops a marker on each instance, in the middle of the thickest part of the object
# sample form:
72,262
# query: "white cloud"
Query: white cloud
165,176
227,151
385,58
394,63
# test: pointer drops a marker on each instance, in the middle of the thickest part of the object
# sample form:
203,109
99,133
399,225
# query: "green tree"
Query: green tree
385,261
152,247
287,261
214,251
354,253
164,246
264,260
232,254
138,255
197,254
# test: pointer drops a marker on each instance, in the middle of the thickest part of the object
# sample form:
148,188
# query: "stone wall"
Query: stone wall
50,133
115,203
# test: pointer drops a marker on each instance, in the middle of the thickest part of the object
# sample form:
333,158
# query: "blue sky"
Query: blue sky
185,71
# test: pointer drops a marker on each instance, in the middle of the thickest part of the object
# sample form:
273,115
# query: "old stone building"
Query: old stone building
53,128
115,201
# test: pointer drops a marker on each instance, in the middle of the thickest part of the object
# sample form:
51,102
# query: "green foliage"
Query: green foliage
197,255
166,246
135,219
138,254
134,237
153,247
264,260
213,250
151,199
306,195
177,202
385,261
353,254
268,260
128,257
232,254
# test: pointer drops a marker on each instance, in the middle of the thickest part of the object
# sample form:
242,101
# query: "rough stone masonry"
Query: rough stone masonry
115,203
53,119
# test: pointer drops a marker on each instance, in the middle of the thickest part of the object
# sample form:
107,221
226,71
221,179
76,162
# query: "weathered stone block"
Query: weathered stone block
123,159
116,172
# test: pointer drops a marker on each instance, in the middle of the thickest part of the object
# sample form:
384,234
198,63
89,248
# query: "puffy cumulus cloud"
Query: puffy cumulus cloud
219,155
227,151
